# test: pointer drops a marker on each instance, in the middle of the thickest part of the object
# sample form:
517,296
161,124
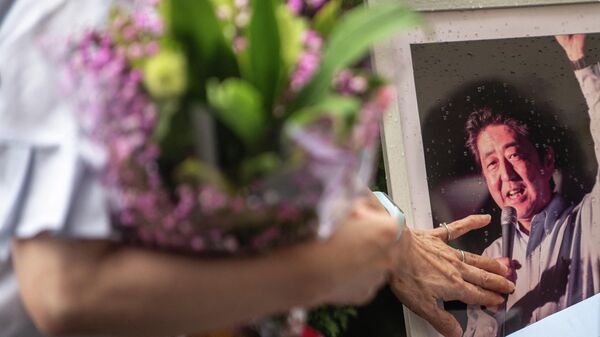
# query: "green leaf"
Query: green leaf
264,51
331,321
259,165
350,40
239,106
327,17
195,172
291,31
167,109
195,25
165,9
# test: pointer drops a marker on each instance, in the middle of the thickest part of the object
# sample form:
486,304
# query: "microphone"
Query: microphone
508,220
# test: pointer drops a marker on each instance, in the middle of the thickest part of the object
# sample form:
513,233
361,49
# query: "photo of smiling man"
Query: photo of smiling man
555,245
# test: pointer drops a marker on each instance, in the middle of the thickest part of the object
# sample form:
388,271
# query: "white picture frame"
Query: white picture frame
403,150
439,5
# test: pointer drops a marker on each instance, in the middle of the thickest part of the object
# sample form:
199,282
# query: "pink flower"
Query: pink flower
198,243
169,223
240,44
211,199
295,6
135,51
262,241
186,204
152,48
126,218
146,204
313,40
130,32
316,4
288,212
147,20
309,61
124,146
306,68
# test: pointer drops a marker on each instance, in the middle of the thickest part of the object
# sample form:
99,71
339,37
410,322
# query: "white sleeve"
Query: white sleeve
49,171
589,81
49,189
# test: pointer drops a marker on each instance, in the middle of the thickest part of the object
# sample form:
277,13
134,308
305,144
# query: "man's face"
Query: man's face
513,171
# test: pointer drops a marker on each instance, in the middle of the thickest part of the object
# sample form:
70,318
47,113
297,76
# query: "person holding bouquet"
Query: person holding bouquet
64,268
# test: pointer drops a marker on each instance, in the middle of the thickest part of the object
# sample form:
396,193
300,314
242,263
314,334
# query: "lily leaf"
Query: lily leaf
239,106
327,17
350,40
195,25
264,51
291,31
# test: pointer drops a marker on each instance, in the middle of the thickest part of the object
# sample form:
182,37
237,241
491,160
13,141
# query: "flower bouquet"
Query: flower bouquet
272,85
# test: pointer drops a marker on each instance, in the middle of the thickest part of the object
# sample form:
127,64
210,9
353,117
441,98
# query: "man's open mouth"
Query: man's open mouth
515,193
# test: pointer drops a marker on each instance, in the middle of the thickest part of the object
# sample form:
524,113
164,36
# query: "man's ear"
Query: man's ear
549,160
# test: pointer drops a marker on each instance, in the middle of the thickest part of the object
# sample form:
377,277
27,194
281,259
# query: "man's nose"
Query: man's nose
507,171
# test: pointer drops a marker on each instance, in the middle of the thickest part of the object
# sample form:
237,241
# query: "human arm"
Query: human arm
589,80
589,211
95,287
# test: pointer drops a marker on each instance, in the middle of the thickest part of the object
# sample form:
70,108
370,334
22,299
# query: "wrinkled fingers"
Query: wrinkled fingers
472,294
487,264
486,280
441,320
444,323
460,227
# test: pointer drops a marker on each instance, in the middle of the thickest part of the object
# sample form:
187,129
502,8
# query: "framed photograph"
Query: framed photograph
445,159
439,5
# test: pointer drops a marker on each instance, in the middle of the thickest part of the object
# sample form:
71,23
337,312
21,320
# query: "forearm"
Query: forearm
589,80
103,289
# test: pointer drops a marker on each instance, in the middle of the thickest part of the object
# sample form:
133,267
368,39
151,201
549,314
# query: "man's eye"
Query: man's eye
514,156
492,165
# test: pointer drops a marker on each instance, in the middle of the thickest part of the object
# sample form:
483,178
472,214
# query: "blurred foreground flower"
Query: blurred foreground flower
231,126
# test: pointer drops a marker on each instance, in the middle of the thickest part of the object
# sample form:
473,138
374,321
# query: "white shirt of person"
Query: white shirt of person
48,170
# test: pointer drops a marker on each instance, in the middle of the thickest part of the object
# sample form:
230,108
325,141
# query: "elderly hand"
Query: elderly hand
428,270
573,45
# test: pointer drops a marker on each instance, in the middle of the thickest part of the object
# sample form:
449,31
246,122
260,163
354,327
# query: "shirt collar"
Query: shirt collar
548,216
542,223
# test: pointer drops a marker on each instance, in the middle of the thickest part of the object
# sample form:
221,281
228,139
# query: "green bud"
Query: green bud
165,74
